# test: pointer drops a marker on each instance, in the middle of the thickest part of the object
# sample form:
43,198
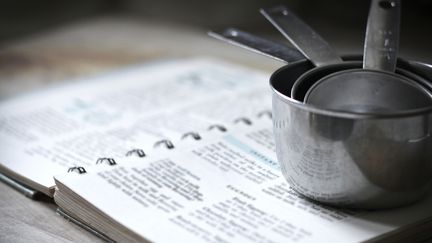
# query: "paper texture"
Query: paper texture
45,133
226,190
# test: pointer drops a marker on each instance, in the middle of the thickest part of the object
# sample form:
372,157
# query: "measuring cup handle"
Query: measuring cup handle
257,44
301,35
382,35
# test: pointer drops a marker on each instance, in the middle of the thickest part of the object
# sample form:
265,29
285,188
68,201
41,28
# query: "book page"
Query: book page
45,133
227,190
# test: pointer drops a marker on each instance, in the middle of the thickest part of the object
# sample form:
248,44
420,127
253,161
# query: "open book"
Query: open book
186,154
228,189
124,113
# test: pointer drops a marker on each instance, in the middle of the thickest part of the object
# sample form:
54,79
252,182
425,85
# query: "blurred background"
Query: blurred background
47,40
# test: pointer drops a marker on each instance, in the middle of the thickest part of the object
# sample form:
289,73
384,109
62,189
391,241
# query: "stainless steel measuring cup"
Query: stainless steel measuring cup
340,87
375,87
347,159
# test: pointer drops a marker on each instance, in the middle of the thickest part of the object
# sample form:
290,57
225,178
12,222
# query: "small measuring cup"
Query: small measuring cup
377,87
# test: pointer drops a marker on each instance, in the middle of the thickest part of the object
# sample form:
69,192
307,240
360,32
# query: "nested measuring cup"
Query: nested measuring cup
375,88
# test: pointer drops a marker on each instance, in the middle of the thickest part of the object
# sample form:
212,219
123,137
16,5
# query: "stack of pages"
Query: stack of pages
175,151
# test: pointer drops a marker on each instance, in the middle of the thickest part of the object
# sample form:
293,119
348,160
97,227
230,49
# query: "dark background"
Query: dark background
342,23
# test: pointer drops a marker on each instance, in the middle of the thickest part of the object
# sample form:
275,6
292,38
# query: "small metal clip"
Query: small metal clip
217,126
245,120
168,144
110,161
79,169
194,135
138,152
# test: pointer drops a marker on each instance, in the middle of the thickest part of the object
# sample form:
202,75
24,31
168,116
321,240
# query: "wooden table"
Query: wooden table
78,50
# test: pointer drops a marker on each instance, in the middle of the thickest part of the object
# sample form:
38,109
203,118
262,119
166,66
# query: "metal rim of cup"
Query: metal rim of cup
345,114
